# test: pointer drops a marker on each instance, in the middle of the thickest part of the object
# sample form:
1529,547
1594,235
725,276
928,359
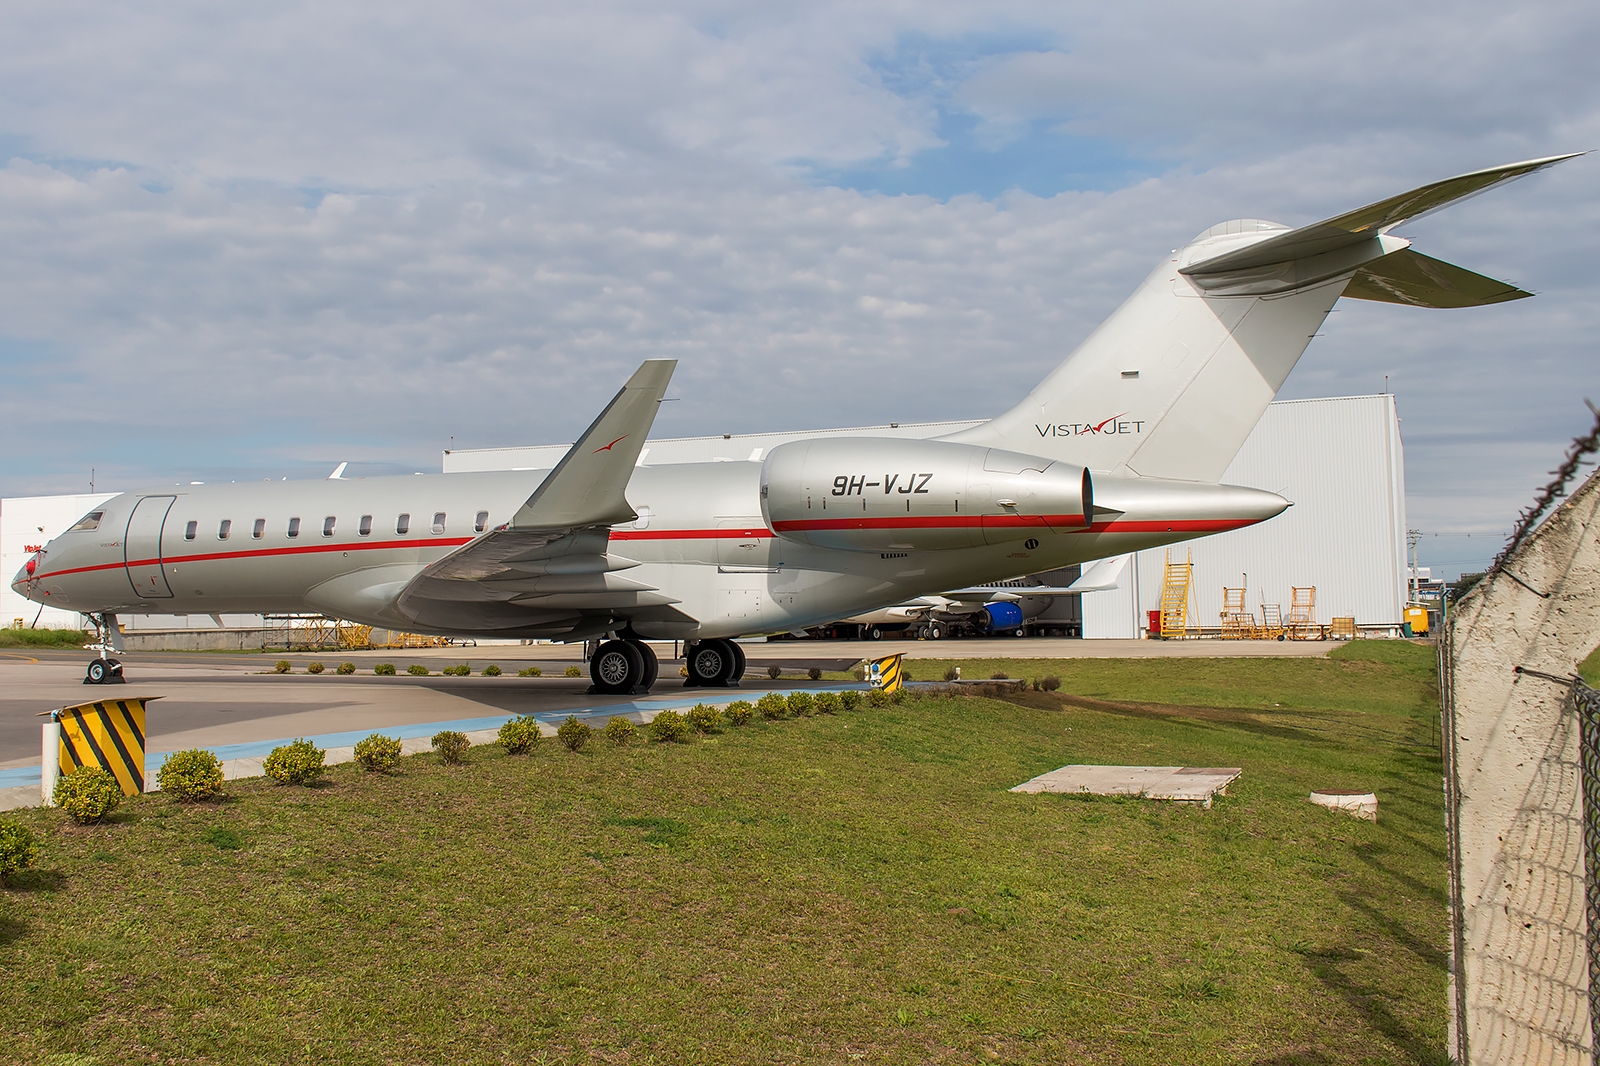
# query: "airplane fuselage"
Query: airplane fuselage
334,546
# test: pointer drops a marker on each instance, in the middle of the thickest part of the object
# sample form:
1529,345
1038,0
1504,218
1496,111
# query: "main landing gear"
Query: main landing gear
622,668
714,663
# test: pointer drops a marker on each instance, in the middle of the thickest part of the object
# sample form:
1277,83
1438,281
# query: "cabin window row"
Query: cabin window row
402,526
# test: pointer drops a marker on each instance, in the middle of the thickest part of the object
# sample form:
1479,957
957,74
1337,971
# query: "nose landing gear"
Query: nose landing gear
107,638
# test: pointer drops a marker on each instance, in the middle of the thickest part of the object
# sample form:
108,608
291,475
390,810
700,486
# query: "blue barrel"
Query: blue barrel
1004,617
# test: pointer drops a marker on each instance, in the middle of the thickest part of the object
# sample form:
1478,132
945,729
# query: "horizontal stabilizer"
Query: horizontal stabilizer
1364,223
1411,278
1103,576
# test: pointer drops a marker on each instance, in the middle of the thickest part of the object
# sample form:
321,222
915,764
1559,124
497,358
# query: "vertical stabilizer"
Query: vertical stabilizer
1174,381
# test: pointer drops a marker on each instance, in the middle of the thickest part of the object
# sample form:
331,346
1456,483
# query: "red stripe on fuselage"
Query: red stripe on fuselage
1209,525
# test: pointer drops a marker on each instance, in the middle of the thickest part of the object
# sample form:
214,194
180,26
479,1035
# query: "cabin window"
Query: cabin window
260,529
365,529
224,529
327,526
438,522
190,530
88,522
480,523
294,527
402,524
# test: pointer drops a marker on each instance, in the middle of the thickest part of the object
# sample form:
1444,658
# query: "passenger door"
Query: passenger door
141,548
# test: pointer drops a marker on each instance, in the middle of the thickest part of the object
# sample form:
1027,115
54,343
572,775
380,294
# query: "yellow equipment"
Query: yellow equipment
1177,592
1342,629
1417,619
1303,614
1272,627
1237,623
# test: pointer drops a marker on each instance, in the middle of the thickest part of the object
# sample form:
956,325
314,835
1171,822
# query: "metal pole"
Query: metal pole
50,760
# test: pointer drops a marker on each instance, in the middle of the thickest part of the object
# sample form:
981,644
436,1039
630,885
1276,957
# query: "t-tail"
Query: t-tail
1172,383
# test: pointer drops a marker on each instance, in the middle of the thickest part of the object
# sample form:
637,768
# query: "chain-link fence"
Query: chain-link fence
1588,706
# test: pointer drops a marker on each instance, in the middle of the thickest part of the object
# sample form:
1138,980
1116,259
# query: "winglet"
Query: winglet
587,487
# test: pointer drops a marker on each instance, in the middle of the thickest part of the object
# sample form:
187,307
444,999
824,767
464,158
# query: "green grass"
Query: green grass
44,638
1589,669
849,888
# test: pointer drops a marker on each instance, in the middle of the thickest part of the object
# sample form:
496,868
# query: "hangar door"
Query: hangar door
141,548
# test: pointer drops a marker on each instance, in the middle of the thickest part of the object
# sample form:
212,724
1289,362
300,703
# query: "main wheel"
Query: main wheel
874,633
652,666
99,672
711,662
617,668
738,662
936,631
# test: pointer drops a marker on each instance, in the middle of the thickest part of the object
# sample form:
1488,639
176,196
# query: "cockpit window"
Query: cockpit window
88,522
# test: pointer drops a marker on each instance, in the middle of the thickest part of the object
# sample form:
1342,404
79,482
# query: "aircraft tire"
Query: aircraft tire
616,668
99,672
935,631
652,665
874,633
738,663
711,664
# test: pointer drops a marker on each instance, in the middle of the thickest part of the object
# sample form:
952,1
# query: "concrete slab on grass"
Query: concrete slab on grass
1185,784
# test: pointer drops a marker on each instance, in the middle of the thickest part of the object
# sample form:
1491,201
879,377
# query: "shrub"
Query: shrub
772,706
378,754
315,668
668,727
703,718
801,704
876,697
860,673
572,671
815,673
828,703
1049,684
18,849
346,669
384,669
850,699
739,712
621,731
999,675
87,793
491,670
952,673
457,671
417,670
519,735
450,746
282,666
294,764
191,775
774,671
574,734
899,696
530,671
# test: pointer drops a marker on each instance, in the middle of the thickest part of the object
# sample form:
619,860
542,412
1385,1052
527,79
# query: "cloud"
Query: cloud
243,241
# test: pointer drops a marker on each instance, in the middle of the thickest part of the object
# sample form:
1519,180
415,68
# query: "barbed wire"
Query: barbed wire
1555,490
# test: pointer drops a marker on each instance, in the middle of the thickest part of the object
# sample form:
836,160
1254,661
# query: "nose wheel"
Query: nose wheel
104,672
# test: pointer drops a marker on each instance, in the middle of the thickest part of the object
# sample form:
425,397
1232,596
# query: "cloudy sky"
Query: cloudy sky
240,242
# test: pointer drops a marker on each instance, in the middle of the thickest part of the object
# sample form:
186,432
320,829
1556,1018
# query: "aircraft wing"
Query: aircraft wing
550,568
1004,593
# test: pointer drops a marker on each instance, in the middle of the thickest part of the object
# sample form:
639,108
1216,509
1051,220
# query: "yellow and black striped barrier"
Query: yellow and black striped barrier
884,673
108,734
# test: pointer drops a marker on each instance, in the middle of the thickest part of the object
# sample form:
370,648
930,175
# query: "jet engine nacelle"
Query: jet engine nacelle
883,495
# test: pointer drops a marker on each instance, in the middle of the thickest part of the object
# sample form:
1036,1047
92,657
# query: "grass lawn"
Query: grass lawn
44,638
832,889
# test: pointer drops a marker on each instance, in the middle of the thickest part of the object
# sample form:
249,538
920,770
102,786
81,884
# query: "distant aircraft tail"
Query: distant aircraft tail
1172,383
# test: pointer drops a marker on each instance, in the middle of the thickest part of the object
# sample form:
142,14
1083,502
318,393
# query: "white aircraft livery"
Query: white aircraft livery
1119,449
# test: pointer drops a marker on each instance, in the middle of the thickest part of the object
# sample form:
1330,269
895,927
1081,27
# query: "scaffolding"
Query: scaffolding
1177,594
1303,614
1237,623
316,632
1272,627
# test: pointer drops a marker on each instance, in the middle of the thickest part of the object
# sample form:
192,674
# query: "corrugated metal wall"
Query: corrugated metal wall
1340,461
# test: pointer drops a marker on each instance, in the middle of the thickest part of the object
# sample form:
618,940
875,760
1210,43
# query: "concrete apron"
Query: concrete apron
19,786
